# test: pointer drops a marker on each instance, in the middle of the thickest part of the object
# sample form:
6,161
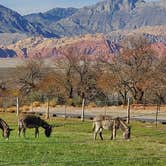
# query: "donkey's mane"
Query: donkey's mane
44,124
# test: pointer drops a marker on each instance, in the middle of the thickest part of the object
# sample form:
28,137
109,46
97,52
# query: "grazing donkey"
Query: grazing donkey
112,124
5,129
32,121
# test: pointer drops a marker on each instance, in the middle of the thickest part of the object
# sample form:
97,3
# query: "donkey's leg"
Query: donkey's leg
114,132
96,132
36,132
19,131
24,131
111,138
100,133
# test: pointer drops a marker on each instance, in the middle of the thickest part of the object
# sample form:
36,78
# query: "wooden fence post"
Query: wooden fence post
83,109
17,106
128,111
65,110
105,107
157,112
31,105
48,109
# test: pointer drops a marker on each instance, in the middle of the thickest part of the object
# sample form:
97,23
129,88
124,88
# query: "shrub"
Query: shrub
11,109
1,109
24,108
53,103
36,104
36,96
77,101
74,101
92,104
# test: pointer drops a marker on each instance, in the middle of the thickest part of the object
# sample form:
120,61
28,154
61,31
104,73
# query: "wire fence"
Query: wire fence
144,112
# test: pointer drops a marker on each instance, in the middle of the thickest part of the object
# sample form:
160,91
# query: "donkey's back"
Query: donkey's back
29,121
101,121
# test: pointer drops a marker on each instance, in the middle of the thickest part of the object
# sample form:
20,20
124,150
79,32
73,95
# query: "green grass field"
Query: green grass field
72,144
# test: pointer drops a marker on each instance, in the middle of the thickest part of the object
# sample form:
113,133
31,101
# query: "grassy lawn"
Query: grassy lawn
72,144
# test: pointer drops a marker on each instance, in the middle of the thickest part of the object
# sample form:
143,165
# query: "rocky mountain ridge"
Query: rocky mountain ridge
103,17
98,44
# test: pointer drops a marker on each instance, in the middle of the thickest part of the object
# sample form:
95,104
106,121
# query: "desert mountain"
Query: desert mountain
103,17
44,47
12,22
98,44
111,15
49,18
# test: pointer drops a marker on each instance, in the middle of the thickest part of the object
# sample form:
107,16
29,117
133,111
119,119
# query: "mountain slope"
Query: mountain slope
90,45
111,15
51,16
12,22
44,48
104,17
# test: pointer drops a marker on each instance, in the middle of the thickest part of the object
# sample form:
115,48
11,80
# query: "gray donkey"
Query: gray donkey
5,129
32,121
113,124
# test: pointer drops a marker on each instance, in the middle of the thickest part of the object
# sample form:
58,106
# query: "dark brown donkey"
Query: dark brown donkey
5,129
32,121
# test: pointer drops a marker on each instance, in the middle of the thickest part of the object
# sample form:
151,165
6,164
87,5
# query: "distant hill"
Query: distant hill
11,38
12,22
44,48
98,44
49,18
112,15
103,17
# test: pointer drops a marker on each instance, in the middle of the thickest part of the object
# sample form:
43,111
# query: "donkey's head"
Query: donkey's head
127,133
48,131
6,133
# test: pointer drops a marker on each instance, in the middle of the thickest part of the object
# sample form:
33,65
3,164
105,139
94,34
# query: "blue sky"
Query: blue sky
33,6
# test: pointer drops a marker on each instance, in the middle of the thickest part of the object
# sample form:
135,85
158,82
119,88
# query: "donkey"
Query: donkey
112,124
5,129
32,121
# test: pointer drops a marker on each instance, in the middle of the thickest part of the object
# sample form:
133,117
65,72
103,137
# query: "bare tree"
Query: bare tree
131,70
30,74
138,61
78,73
156,91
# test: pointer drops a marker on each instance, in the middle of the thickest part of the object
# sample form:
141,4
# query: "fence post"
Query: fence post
83,109
157,112
17,106
48,109
105,107
31,105
128,111
65,110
